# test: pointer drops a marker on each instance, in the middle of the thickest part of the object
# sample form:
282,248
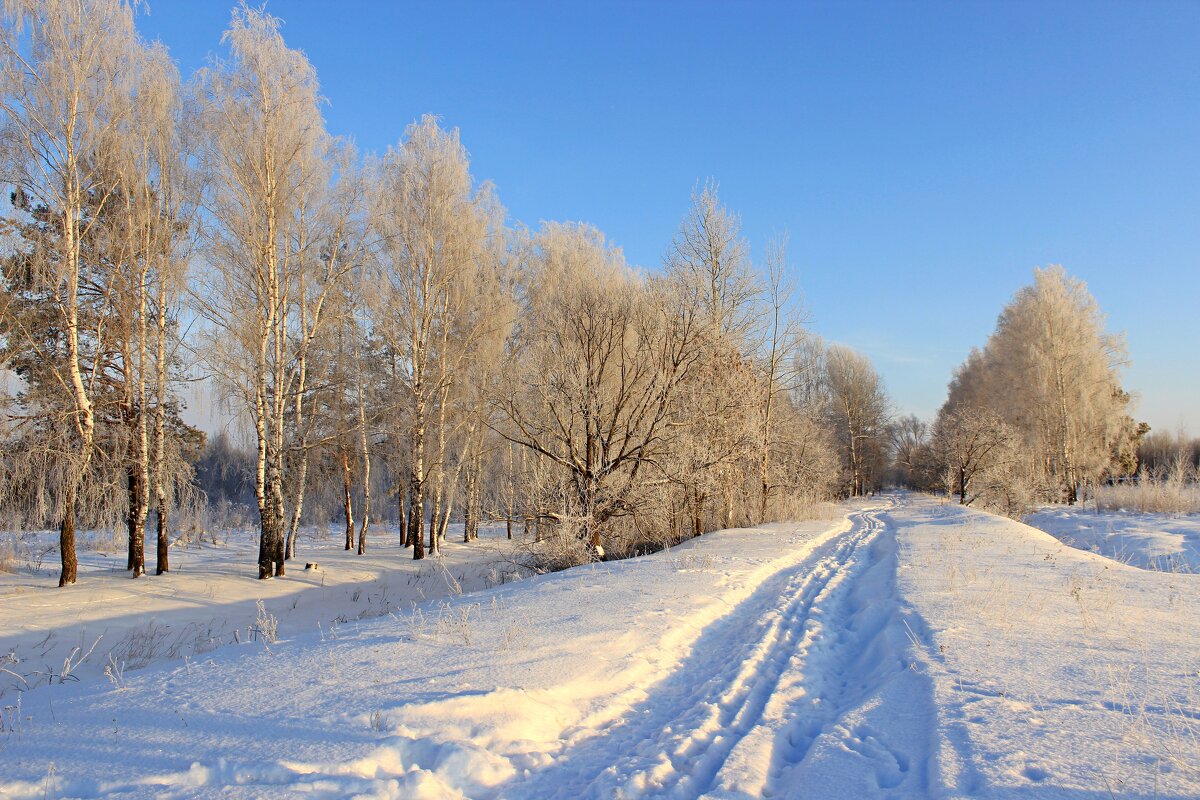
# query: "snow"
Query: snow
210,597
909,649
1164,542
1056,672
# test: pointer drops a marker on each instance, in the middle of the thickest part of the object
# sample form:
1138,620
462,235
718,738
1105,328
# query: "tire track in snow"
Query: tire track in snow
759,687
853,703
675,743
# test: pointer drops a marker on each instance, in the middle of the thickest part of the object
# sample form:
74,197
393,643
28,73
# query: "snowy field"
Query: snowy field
1164,542
210,598
911,649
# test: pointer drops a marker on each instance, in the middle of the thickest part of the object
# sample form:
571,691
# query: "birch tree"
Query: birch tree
710,256
431,227
1050,372
859,412
778,363
65,94
156,204
709,268
268,162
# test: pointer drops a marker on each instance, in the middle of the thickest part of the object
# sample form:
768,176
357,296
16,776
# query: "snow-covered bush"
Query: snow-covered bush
265,625
561,548
1163,491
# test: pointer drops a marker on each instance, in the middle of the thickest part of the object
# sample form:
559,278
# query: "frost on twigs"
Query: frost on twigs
699,562
265,625
115,672
561,547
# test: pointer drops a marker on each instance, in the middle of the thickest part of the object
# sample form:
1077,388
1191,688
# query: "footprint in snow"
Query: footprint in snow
890,765
1035,774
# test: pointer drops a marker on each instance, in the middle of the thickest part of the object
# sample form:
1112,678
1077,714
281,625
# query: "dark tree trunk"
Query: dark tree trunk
162,553
435,522
137,532
402,519
674,521
66,543
264,545
416,522
270,542
414,533
962,486
347,502
277,537
508,521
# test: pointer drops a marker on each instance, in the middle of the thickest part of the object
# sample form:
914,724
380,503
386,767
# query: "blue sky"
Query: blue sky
923,157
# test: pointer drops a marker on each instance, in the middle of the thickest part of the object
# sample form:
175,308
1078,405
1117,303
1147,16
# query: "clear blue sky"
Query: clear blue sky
924,157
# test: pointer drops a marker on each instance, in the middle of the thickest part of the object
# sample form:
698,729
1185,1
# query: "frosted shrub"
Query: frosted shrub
560,549
8,554
1171,491
265,625
803,506
1007,493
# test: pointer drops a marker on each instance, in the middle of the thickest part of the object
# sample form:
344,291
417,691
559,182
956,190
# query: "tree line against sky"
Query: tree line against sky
381,326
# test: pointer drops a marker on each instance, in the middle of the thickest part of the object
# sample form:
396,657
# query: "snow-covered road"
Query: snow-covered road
908,649
747,704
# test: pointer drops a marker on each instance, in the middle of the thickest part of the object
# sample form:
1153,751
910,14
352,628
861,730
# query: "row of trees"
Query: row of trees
381,328
1160,451
94,150
372,319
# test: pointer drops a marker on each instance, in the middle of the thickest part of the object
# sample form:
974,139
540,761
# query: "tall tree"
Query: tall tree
709,269
269,163
432,227
859,412
65,96
601,356
778,363
711,258
156,206
1050,372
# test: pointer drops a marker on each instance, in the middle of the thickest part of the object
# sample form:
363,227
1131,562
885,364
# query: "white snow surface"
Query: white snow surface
210,597
1164,542
911,649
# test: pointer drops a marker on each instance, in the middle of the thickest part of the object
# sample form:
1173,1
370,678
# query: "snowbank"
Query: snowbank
913,649
211,599
1163,542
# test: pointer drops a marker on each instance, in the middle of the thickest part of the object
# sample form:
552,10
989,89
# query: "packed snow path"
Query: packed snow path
909,649
813,642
